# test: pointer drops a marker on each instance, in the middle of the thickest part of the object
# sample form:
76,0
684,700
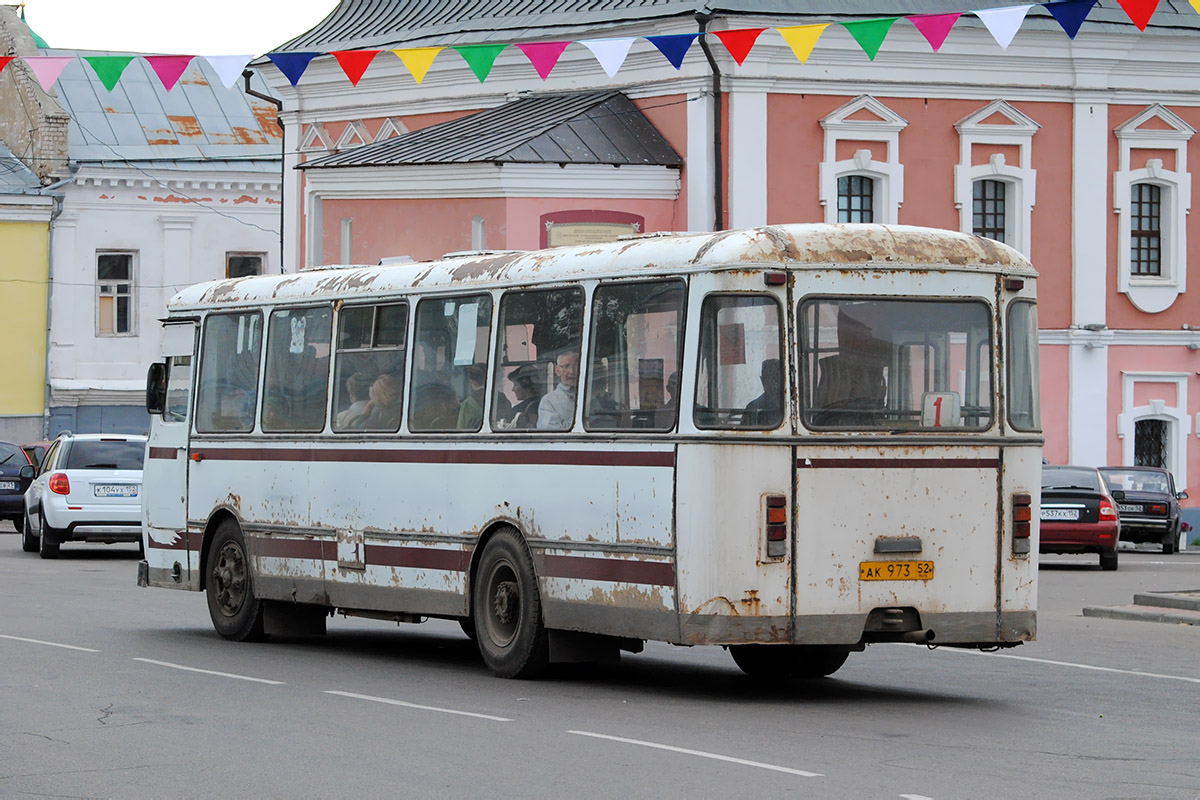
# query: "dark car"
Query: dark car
12,487
1079,515
36,451
1149,510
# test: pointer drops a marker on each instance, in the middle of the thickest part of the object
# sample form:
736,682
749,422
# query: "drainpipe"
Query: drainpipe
275,101
57,199
718,158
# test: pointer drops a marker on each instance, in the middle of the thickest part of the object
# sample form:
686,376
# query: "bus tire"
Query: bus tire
236,613
468,627
788,660
507,610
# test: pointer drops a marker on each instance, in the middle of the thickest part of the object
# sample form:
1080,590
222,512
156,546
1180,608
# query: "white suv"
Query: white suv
88,489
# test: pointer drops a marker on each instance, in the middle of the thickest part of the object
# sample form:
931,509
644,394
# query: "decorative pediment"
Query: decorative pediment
866,113
354,135
1155,124
997,117
315,138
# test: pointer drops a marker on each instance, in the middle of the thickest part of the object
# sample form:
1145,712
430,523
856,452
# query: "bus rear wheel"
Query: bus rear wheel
789,660
507,610
236,613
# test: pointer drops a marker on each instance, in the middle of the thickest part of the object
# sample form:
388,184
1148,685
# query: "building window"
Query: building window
989,207
114,294
240,265
1145,229
856,199
1150,443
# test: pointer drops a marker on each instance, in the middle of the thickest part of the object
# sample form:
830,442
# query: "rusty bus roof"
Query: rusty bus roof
798,246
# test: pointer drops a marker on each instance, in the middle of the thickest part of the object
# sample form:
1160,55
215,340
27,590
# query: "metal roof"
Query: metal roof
796,246
387,23
139,120
15,177
602,127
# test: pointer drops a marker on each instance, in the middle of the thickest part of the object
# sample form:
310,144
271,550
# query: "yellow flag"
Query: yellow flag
418,60
803,38
1195,5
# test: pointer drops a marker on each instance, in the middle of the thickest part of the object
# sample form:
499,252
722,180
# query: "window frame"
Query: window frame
199,373
788,394
337,352
262,262
414,346
266,363
130,295
1139,216
1005,204
871,196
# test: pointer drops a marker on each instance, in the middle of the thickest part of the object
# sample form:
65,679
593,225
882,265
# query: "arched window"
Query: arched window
856,199
989,209
1145,229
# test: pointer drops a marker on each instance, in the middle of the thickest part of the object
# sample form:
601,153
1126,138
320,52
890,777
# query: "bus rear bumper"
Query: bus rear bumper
976,629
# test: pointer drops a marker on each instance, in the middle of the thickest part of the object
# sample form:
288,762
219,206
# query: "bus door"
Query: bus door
164,481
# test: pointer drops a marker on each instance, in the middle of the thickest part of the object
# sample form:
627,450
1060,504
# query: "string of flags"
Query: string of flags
1002,23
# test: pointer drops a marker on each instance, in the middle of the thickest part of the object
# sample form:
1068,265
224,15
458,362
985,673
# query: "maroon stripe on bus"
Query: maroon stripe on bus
313,549
418,557
897,463
169,453
497,456
180,543
655,573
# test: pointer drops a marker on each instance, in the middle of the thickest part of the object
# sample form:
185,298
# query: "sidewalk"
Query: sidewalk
1178,607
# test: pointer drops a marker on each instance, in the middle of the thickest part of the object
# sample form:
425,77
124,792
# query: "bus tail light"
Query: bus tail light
1022,516
776,526
1106,509
59,484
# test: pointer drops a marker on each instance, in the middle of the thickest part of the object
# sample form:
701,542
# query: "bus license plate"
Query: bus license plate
115,490
895,571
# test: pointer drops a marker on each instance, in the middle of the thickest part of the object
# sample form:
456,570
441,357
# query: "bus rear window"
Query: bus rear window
895,364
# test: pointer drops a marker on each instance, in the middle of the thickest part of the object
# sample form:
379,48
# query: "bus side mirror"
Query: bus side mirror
156,388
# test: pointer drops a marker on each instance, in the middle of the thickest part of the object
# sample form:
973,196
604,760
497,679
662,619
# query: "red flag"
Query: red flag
1139,11
739,42
4,61
354,62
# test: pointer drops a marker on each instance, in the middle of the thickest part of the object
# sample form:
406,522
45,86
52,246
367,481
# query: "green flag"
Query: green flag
870,33
109,68
480,57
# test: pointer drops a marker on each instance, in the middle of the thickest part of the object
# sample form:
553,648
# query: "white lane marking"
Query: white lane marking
415,705
49,644
1076,666
915,797
702,754
208,671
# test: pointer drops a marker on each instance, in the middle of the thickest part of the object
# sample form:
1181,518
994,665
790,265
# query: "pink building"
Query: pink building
1075,152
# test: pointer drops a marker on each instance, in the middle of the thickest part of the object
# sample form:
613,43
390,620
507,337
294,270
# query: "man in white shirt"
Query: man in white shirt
556,411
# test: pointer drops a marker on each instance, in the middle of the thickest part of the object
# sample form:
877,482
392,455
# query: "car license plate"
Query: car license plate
115,490
1129,509
1059,513
895,571
8,484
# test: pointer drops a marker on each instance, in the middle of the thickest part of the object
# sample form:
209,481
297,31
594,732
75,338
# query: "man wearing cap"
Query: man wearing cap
528,393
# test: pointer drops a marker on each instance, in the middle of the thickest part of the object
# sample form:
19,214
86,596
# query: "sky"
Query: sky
171,27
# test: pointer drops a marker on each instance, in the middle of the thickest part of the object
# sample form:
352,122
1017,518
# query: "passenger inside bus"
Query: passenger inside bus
357,387
556,411
470,412
384,406
434,407
766,410
526,386
602,408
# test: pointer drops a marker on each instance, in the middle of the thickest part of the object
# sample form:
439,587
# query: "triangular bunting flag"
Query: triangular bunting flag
1070,14
4,61
934,27
1140,11
108,68
47,68
1195,4
292,65
803,38
354,62
611,52
1003,23
543,55
870,33
228,68
739,42
418,60
480,57
674,46
168,68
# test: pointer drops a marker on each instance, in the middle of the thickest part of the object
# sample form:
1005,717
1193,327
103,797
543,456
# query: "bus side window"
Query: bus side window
179,388
633,367
536,329
368,384
227,387
297,371
740,381
450,346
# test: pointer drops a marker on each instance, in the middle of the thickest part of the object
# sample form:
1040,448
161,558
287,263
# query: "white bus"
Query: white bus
792,441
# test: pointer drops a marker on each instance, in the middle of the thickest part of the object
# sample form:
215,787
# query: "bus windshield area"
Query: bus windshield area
895,364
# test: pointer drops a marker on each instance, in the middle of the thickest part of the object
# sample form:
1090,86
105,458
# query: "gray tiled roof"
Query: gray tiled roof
15,177
384,23
141,121
602,127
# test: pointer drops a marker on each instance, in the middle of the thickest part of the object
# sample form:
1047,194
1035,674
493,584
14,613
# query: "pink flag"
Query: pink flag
47,68
934,27
168,68
543,55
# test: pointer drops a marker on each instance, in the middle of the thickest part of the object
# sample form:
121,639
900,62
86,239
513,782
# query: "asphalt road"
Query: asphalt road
108,690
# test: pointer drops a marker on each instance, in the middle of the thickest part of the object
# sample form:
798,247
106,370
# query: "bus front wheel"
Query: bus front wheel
507,610
788,660
236,613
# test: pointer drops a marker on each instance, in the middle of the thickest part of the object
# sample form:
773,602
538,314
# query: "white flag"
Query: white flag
1003,23
609,52
229,68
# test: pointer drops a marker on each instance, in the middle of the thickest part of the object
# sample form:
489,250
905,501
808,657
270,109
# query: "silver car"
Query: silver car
87,489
